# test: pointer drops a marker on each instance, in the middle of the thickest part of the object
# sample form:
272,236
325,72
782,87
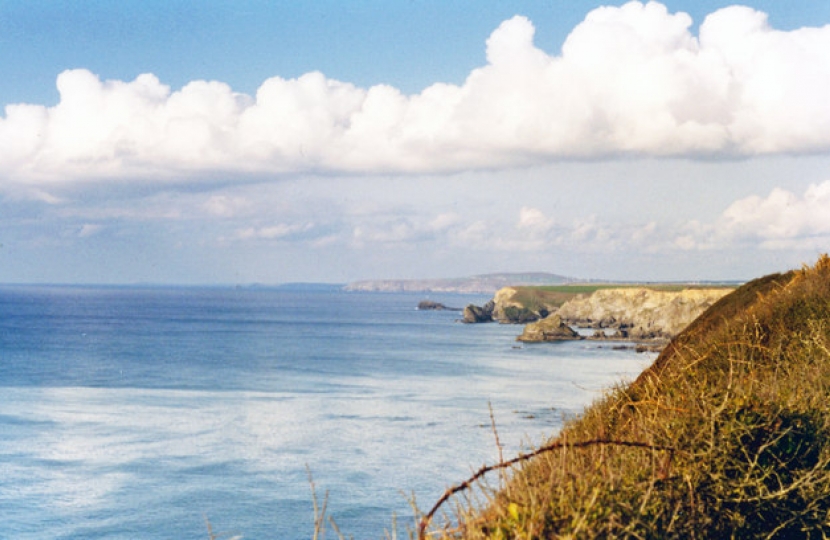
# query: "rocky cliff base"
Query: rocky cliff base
631,314
551,328
639,314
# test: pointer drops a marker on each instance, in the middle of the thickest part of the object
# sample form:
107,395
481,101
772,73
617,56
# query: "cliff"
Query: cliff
635,312
516,305
640,312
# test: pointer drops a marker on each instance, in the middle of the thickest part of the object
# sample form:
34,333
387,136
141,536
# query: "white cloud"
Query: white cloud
534,220
274,232
398,230
685,242
533,230
644,233
782,218
475,235
387,233
630,80
444,221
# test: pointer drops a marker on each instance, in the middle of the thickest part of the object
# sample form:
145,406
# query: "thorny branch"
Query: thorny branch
422,526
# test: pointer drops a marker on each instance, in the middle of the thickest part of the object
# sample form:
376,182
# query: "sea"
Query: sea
150,412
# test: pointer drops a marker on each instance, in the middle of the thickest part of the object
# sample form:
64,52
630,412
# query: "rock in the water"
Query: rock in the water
478,314
551,328
599,334
429,305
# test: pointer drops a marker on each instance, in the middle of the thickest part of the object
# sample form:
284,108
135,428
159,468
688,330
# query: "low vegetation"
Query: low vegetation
727,435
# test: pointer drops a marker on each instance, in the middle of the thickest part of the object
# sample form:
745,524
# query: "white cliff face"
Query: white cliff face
512,305
503,299
645,312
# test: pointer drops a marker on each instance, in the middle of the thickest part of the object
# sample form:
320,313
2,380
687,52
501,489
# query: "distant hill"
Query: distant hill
481,284
310,287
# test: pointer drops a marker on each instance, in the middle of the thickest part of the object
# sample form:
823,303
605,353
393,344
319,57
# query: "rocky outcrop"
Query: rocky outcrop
629,314
550,328
478,314
429,305
504,308
509,310
624,313
639,313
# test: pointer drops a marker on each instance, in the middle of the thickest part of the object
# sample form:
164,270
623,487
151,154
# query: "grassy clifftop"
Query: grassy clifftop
535,297
727,435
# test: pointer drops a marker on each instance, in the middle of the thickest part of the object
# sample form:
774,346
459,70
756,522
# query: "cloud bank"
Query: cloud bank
782,220
630,80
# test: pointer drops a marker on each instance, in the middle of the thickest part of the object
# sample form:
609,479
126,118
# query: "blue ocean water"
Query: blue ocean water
138,412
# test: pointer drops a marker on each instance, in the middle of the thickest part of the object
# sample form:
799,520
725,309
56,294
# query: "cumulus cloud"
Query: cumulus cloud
782,218
536,231
534,220
529,230
630,80
405,229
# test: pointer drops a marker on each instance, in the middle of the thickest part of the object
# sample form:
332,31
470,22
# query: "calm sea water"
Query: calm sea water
135,413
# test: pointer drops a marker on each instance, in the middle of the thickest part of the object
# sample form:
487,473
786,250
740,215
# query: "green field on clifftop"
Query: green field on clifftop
535,297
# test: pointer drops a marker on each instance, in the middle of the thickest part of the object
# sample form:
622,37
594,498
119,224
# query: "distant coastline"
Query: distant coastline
480,284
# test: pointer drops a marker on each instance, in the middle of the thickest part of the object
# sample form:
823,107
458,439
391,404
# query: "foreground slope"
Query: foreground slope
726,435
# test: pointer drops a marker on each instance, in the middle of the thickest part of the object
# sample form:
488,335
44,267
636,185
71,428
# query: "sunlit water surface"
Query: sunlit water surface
132,413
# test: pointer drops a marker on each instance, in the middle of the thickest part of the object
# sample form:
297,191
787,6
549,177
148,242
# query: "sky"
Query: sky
268,142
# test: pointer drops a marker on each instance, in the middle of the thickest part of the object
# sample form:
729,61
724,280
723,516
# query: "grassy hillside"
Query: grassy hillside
727,435
535,297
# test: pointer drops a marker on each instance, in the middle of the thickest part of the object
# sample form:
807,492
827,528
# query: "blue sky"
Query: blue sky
238,142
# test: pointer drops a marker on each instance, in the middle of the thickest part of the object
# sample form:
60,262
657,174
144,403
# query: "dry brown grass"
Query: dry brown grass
726,436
